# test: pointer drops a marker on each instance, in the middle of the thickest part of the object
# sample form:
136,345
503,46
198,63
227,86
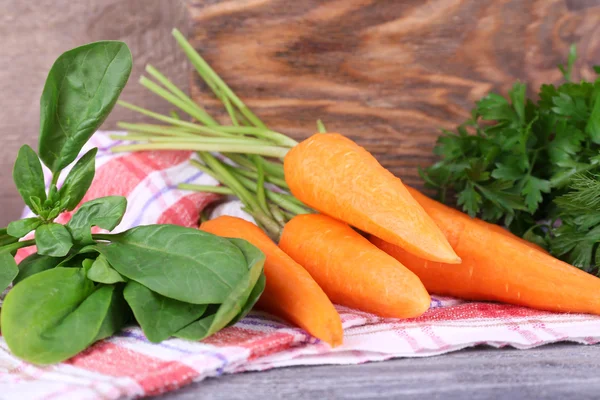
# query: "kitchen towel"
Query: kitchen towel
128,366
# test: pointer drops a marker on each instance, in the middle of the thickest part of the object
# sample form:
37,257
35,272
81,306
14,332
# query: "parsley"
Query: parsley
530,165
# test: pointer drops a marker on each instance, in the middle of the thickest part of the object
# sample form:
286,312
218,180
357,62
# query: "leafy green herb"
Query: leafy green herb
35,263
78,181
22,227
101,271
523,163
160,317
104,212
81,89
29,177
70,293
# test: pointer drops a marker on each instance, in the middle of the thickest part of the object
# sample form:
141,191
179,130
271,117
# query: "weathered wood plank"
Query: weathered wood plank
549,372
389,74
33,35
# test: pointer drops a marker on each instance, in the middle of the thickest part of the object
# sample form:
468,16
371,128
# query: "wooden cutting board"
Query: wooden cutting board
389,74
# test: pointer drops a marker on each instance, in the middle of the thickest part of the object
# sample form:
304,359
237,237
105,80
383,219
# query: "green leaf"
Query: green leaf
82,87
592,128
55,314
532,190
494,107
470,200
22,227
53,240
105,212
507,172
570,107
34,264
257,291
185,264
29,177
78,180
566,142
566,71
5,238
236,304
8,270
101,272
36,205
517,96
596,69
159,317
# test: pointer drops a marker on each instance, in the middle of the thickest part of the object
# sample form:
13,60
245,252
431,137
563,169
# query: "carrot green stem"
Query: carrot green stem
193,110
189,125
205,69
155,129
195,139
321,127
163,80
277,214
260,186
205,188
278,152
269,224
253,175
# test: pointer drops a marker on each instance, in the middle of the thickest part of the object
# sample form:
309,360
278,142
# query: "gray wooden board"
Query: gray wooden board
557,371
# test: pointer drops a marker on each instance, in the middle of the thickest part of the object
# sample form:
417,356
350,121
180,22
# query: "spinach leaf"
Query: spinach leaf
117,315
35,263
22,227
81,89
105,212
160,317
54,315
78,180
29,177
8,270
5,238
101,272
53,240
185,264
240,299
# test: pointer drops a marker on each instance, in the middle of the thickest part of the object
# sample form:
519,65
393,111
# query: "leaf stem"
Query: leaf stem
278,152
17,245
206,188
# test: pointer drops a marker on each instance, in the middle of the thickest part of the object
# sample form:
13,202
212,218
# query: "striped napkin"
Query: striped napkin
128,366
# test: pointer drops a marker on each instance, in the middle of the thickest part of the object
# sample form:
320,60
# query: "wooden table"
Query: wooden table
389,74
551,372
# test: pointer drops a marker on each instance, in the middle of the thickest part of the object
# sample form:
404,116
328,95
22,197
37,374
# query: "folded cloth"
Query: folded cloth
127,365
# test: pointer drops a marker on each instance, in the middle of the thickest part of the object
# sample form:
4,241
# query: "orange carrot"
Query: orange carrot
290,292
337,177
498,267
351,270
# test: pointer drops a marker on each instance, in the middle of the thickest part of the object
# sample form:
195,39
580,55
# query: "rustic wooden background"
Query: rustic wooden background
389,74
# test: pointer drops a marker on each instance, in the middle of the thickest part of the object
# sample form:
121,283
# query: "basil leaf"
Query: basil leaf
105,212
35,263
78,180
29,177
101,272
22,227
53,240
8,270
160,317
185,264
117,315
5,238
81,89
236,305
54,315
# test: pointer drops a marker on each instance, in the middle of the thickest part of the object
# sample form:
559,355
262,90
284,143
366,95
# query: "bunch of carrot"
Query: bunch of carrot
415,245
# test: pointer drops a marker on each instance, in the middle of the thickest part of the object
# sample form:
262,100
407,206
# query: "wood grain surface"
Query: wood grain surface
554,372
34,34
388,74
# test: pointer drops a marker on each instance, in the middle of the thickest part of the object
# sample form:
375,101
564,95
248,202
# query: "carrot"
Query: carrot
290,292
337,177
497,267
351,270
